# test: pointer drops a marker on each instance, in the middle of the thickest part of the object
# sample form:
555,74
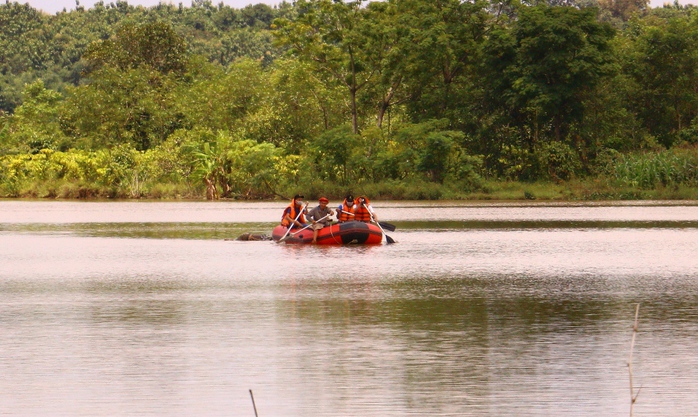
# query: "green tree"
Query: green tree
663,66
129,99
251,169
35,124
327,33
387,48
429,150
155,45
441,43
623,9
247,43
221,99
540,72
257,15
22,50
331,154
297,107
21,38
134,106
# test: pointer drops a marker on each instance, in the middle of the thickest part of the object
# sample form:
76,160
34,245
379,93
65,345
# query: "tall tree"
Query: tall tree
155,45
35,125
624,9
442,47
663,64
129,97
328,33
544,67
23,53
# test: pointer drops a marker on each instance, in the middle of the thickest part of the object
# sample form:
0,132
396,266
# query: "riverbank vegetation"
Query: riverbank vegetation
399,99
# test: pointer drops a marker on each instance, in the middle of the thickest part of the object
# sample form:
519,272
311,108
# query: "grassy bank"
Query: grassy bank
128,174
596,189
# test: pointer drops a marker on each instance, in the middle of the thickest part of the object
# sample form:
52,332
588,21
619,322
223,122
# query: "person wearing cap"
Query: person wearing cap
293,214
320,216
345,211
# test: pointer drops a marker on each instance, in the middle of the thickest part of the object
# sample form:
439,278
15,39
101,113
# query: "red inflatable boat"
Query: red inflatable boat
337,234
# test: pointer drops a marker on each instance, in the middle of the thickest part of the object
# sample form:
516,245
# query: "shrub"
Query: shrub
648,170
559,160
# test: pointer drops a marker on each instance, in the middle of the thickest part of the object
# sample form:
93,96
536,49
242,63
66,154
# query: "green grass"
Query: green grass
654,170
512,190
589,189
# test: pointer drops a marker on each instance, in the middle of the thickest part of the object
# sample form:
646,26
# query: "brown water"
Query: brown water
122,309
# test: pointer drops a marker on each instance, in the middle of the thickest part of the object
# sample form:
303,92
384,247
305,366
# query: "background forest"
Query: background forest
402,99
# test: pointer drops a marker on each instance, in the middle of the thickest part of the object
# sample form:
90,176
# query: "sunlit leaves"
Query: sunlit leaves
328,34
155,45
35,124
122,107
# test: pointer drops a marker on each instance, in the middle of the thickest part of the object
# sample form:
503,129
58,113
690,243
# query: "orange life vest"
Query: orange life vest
347,207
361,212
292,210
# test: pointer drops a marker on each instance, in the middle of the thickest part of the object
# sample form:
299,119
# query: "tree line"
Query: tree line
402,98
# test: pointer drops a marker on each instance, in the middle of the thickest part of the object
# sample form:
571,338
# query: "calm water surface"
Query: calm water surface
144,308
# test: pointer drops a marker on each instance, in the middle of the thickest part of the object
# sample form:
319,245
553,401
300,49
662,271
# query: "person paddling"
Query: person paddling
293,216
320,216
363,211
345,211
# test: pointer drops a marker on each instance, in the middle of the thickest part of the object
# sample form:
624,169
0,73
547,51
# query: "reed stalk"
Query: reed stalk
633,394
253,404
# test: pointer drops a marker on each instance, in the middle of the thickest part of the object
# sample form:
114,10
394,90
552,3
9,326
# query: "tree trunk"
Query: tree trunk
381,114
385,103
354,115
352,90
211,192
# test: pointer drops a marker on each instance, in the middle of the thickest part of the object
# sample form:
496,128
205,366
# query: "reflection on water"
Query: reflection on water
145,230
153,317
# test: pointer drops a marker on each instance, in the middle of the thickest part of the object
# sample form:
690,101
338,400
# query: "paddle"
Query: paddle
385,225
388,239
304,227
294,220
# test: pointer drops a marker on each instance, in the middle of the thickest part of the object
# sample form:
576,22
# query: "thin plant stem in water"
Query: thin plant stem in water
253,404
633,394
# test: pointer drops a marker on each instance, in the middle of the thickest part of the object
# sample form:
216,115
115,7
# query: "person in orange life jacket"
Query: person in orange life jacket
345,211
319,216
363,210
293,216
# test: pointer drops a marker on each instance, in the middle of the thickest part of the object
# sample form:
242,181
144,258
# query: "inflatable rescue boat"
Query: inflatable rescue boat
337,234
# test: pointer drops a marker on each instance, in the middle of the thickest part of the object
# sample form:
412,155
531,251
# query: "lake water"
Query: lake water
144,308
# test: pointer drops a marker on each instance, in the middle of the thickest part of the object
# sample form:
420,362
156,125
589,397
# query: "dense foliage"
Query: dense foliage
400,98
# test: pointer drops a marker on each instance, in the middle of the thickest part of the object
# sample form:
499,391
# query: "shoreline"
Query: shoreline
523,193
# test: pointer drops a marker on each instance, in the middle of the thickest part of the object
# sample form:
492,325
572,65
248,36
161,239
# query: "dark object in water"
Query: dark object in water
252,237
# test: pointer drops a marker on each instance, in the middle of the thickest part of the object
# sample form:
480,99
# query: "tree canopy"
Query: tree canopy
342,93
